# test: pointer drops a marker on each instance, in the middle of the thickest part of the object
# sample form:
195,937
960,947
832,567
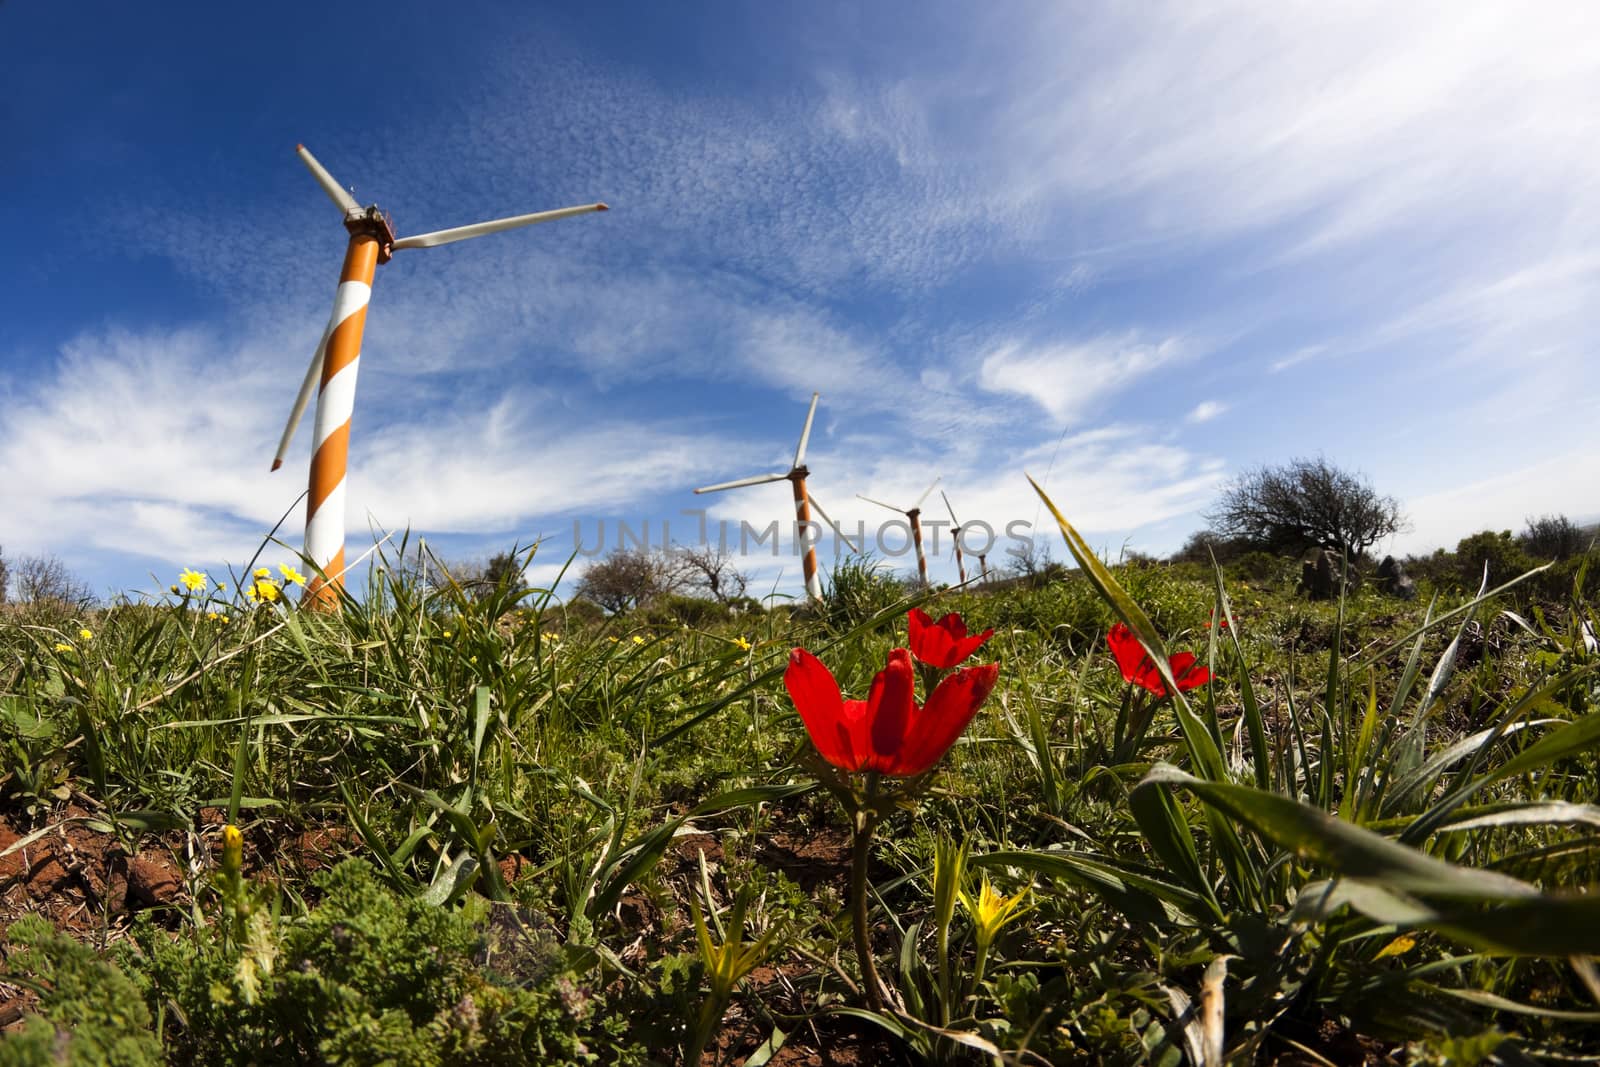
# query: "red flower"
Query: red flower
942,644
1139,669
887,732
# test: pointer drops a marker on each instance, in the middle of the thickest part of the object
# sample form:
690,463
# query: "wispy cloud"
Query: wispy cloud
1205,411
1071,380
157,444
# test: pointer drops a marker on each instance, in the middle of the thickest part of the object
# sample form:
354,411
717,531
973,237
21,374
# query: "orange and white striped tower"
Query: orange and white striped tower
955,537
338,357
913,516
803,503
802,520
336,400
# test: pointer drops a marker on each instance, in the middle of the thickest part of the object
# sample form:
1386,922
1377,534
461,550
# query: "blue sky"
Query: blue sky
1131,249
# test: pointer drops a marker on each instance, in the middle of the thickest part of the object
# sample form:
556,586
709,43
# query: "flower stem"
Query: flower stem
860,856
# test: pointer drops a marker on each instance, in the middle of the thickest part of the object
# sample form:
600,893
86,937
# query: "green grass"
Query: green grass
1379,824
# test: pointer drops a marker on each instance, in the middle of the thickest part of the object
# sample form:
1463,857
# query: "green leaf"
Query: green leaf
1343,847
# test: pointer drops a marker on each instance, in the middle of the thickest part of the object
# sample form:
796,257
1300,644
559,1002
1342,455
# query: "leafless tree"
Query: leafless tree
712,569
1305,503
46,578
1030,560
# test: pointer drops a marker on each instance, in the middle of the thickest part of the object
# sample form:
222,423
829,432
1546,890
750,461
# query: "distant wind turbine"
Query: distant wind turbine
803,502
333,367
955,536
914,515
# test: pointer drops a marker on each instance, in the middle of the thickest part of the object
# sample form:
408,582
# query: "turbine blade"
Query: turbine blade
950,509
759,479
478,229
805,434
881,504
307,387
336,192
925,493
838,532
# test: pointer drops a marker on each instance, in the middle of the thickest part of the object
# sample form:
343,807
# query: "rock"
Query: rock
1320,575
1393,580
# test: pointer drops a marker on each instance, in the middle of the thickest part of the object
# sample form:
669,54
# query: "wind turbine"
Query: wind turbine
955,536
333,367
803,502
914,515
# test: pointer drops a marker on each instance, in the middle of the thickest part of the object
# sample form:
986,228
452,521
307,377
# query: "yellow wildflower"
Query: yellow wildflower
474,659
250,593
991,911
638,640
194,581
267,589
551,635
87,635
290,575
613,640
447,633
62,646
222,587
744,646
263,572
232,850
174,589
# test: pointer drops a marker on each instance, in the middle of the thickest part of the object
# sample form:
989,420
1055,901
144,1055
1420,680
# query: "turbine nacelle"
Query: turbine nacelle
372,221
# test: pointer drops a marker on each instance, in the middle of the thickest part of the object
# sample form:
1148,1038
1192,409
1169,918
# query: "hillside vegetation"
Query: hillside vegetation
479,827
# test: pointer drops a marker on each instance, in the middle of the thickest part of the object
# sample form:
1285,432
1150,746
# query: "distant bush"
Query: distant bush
1553,537
675,609
1500,551
1203,545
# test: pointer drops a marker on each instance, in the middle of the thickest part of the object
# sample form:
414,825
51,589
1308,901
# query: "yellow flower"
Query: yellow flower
744,646
232,850
551,635
474,659
222,587
638,640
263,572
250,593
267,589
87,635
212,616
447,633
174,588
194,581
991,911
62,646
291,575
613,640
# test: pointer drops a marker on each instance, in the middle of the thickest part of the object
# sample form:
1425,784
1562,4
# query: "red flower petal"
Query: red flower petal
936,727
891,703
941,644
816,697
1132,660
1187,672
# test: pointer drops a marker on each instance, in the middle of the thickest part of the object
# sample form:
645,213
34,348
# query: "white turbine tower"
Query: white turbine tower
803,503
